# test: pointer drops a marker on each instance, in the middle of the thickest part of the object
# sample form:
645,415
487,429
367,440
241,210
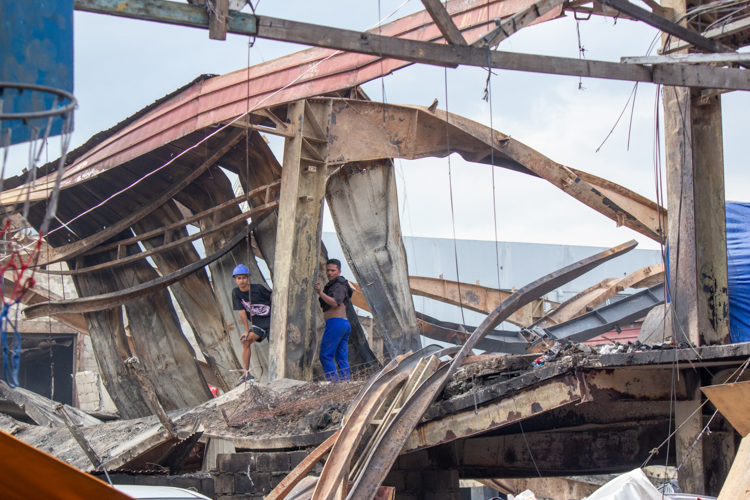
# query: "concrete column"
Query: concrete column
303,178
689,446
697,220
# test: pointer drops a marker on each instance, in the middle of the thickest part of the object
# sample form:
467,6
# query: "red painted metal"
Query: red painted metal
303,74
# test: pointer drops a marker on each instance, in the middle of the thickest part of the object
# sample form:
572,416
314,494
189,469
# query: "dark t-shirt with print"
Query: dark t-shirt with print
256,302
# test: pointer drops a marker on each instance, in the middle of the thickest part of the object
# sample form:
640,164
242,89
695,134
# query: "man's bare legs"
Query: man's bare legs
247,340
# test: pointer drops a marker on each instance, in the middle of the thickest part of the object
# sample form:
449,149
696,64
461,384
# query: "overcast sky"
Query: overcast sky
122,65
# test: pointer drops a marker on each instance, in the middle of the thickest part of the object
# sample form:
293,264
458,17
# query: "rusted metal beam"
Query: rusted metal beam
359,133
393,440
109,300
595,295
293,478
524,404
667,26
520,19
443,20
475,298
293,316
75,249
359,415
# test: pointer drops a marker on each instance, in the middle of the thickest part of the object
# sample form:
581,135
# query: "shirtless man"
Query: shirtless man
334,346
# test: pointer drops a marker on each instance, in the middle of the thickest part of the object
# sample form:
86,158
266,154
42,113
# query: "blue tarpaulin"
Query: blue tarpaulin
738,267
738,270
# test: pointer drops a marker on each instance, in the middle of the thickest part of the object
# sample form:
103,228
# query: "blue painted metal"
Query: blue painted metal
36,46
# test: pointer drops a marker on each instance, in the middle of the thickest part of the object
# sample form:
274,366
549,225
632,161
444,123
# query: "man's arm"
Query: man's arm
243,318
326,298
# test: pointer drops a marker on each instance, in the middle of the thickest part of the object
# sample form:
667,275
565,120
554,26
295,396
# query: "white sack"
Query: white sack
631,486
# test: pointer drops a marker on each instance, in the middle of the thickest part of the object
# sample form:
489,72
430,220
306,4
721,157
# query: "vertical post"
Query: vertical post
689,445
303,179
697,218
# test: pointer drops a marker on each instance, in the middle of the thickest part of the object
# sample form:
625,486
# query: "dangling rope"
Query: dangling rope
450,189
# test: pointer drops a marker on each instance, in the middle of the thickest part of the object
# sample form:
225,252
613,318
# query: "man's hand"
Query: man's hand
244,336
317,287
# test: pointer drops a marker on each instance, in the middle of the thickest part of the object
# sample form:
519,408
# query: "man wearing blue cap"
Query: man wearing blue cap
253,305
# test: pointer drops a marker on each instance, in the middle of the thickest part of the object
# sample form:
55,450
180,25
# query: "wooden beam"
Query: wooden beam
78,436
519,20
217,23
737,484
149,394
724,57
667,26
416,51
298,245
444,22
697,230
38,294
727,30
120,297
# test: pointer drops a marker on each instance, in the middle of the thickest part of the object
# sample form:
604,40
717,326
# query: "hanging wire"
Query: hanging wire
450,189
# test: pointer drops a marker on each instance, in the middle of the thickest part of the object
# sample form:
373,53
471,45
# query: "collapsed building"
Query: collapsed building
419,419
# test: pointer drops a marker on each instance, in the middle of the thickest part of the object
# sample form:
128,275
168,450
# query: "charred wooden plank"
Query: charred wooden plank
77,248
109,300
215,187
195,296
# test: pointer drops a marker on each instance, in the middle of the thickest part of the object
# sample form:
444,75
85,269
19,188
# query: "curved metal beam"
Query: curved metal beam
392,441
109,300
360,133
593,296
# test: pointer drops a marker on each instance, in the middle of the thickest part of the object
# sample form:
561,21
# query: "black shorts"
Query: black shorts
260,332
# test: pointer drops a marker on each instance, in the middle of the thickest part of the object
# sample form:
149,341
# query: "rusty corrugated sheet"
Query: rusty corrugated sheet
269,84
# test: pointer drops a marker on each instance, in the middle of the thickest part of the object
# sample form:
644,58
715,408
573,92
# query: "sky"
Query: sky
122,65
